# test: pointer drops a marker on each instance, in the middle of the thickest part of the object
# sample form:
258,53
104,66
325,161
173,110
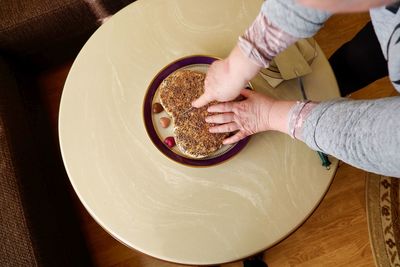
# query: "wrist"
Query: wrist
278,115
241,67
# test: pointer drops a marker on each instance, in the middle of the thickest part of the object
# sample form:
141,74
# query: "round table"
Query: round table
145,200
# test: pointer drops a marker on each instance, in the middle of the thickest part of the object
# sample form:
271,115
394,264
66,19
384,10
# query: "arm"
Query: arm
279,24
365,134
297,20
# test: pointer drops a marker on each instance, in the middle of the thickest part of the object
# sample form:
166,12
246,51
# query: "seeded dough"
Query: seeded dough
191,132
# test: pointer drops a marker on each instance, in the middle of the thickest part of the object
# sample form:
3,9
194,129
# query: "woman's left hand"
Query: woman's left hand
248,117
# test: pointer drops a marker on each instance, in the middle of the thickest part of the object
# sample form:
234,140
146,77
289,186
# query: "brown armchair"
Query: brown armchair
38,223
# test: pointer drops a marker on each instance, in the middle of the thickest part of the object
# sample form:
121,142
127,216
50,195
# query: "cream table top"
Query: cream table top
150,203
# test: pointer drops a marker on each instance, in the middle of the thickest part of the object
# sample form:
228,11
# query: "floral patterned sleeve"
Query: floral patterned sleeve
262,41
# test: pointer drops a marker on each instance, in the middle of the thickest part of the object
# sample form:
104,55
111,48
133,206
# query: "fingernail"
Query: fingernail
211,130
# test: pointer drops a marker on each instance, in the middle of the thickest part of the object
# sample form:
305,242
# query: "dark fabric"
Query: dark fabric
113,6
359,62
44,189
44,32
16,248
394,8
38,225
255,261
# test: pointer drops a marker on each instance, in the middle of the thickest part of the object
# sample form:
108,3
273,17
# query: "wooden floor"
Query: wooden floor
335,235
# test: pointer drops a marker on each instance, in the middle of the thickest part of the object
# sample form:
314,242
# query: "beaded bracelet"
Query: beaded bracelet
297,116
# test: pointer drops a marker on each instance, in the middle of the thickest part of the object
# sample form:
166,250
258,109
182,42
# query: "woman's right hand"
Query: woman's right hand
219,85
226,78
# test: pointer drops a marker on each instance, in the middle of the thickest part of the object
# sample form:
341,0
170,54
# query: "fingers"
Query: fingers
222,107
235,138
220,118
203,100
224,128
246,92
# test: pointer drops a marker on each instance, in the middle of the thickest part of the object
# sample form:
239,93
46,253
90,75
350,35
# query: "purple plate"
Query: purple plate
157,135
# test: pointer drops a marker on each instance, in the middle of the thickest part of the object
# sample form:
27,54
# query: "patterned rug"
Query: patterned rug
383,210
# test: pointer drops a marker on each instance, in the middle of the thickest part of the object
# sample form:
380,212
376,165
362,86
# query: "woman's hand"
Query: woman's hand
257,113
226,78
219,85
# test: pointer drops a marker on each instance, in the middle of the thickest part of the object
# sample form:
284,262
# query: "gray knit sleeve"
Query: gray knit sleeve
297,20
363,133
